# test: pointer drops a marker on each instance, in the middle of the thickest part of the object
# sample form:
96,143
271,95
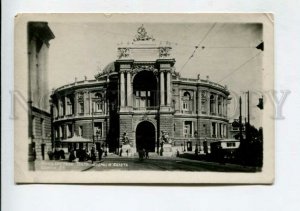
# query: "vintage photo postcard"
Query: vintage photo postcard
144,98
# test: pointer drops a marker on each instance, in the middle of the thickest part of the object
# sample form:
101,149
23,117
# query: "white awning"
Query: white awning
76,139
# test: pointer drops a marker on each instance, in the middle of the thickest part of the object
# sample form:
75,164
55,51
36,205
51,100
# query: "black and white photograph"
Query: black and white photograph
143,98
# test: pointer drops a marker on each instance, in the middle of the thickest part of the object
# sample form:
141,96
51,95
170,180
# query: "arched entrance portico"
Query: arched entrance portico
145,136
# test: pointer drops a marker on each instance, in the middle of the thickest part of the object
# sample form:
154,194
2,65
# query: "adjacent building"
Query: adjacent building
140,95
39,35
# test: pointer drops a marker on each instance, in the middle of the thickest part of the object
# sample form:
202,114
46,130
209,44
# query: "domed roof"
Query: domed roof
109,68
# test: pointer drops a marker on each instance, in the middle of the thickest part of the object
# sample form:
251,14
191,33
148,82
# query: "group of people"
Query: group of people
143,154
84,154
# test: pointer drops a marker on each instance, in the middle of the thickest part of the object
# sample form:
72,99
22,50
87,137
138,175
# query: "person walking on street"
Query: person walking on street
100,153
147,154
93,155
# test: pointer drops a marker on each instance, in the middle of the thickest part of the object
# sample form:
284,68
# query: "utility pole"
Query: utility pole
248,117
248,93
240,121
93,123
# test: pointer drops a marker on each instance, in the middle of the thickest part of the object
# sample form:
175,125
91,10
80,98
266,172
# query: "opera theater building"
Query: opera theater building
139,100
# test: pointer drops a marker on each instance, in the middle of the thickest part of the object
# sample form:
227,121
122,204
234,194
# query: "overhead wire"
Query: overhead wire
236,69
197,46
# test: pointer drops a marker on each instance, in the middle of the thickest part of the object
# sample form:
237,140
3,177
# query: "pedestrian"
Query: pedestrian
88,156
161,151
100,153
196,151
141,156
72,155
147,154
93,155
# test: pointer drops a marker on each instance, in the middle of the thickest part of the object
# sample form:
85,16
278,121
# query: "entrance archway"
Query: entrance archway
145,136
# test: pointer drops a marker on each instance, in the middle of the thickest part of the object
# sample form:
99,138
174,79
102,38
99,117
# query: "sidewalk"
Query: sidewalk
62,165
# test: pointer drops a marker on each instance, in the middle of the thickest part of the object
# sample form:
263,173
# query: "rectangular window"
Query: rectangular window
61,132
97,107
188,129
56,132
214,129
69,130
225,131
184,106
220,130
231,144
143,93
81,108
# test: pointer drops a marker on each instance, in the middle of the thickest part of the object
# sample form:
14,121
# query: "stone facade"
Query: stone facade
142,97
39,35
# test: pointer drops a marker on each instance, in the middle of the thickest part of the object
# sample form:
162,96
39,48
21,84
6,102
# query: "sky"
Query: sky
226,53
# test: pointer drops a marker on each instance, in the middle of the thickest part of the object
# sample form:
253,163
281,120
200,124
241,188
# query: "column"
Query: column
122,90
105,107
225,107
162,89
86,102
168,88
217,129
208,103
129,92
199,107
90,104
194,101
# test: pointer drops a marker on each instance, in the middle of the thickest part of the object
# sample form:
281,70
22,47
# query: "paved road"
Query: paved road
172,164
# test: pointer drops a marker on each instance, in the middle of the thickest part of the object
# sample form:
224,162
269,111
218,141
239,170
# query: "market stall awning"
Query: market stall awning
76,139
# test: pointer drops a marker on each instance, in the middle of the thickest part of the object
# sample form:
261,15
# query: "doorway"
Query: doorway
145,136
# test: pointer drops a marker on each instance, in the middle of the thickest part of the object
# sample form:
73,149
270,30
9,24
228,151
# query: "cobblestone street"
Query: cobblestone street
133,163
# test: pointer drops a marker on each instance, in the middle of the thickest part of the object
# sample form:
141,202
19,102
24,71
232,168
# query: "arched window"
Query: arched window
203,102
80,103
61,132
98,103
220,105
61,108
69,106
187,103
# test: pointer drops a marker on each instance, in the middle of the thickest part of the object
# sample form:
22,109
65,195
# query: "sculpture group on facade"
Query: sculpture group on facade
125,139
165,138
142,34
